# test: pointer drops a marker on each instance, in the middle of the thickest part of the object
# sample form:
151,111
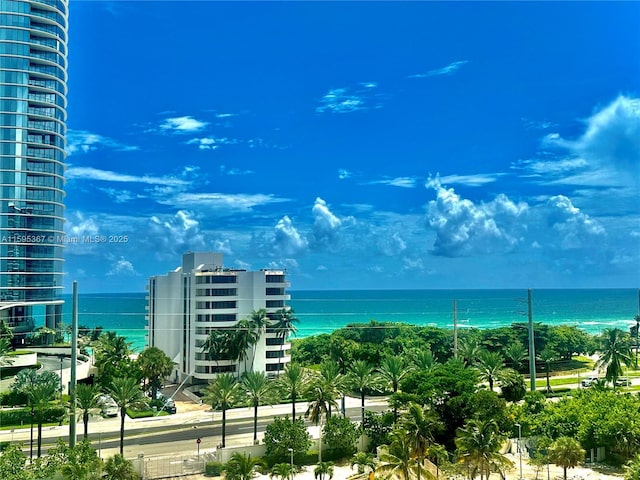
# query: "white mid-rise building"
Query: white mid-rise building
201,296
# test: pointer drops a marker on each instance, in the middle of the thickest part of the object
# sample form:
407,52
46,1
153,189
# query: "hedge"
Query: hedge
22,416
213,469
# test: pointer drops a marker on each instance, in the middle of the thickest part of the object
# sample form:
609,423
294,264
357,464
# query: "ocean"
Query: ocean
327,310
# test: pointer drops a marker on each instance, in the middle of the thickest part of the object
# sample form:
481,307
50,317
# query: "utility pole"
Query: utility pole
455,330
74,365
532,348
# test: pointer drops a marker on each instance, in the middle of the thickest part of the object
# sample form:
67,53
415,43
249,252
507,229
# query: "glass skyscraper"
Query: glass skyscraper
33,90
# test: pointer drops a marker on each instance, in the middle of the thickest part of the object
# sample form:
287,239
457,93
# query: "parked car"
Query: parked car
169,405
589,381
108,406
622,382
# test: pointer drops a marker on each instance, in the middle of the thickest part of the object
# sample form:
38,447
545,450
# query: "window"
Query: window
275,291
275,304
276,354
275,341
275,278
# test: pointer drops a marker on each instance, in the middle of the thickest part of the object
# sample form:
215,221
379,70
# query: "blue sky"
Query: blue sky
358,145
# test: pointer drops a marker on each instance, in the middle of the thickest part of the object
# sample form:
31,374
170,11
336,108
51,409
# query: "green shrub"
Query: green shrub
213,469
145,413
22,416
13,399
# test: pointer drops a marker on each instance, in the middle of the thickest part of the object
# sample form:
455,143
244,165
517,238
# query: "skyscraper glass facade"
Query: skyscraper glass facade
33,89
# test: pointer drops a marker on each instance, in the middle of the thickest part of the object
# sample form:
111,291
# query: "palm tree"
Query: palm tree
293,383
283,471
566,452
284,325
419,425
88,402
334,382
469,350
323,469
363,460
547,356
396,459
363,378
155,365
423,360
241,467
244,338
614,352
438,455
392,370
126,392
5,348
40,395
258,321
119,468
222,393
489,364
216,346
259,390
321,398
632,469
516,354
479,445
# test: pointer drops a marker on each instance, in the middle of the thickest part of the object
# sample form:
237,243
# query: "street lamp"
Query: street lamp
520,446
291,453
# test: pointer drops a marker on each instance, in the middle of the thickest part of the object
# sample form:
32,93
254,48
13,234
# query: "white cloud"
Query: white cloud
122,268
211,143
186,124
325,223
119,196
223,202
340,100
447,70
81,141
171,236
77,225
90,173
477,180
403,182
392,244
464,228
342,173
607,154
287,240
223,246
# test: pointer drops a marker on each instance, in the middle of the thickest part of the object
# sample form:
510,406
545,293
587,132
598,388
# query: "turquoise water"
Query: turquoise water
327,310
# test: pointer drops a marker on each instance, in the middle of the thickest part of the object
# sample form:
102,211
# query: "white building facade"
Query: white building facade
201,296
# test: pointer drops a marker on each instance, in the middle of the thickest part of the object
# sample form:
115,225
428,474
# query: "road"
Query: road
177,434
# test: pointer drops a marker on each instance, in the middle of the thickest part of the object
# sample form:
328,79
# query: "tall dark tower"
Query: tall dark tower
33,90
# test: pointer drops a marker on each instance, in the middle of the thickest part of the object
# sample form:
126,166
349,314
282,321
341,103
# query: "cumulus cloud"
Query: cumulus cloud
325,223
81,141
122,268
446,70
392,244
186,124
171,236
287,240
465,228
